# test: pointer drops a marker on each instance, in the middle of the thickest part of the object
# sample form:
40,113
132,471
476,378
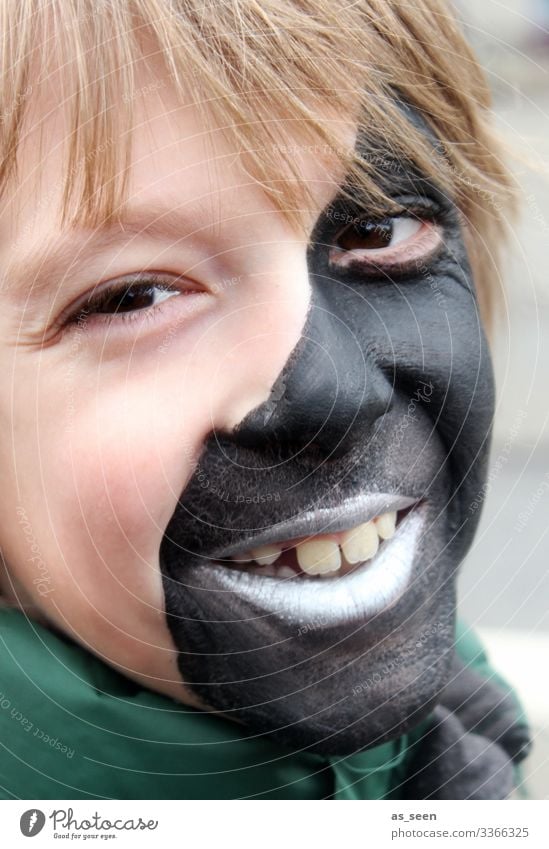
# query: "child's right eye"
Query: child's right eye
129,298
116,300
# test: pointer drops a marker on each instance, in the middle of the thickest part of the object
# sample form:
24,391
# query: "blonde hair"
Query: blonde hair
265,70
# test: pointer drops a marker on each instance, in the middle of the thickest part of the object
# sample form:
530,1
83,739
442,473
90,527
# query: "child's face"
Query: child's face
357,372
102,422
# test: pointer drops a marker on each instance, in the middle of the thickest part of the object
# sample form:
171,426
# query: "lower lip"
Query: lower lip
365,592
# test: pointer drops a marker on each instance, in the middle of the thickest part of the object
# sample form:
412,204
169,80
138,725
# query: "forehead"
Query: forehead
181,162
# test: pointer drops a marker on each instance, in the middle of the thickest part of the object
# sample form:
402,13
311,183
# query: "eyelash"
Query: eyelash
134,283
372,262
80,316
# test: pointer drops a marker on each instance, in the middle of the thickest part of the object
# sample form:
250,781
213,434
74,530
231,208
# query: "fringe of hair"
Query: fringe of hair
267,72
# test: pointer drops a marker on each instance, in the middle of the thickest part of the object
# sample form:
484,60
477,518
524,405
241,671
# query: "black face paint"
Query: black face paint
385,403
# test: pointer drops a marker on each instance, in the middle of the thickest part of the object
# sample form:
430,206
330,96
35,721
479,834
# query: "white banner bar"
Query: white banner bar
280,825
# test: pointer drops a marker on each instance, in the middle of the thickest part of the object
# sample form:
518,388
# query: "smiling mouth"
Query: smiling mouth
331,555
362,592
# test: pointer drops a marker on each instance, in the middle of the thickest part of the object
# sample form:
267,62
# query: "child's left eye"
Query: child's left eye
389,243
364,234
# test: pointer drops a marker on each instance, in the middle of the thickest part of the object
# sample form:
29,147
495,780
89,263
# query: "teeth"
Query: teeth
265,555
322,555
319,556
360,543
385,525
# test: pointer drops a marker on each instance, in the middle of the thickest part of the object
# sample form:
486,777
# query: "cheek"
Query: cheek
119,475
100,461
98,479
114,466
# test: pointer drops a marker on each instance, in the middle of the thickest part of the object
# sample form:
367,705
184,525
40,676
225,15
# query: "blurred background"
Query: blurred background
504,587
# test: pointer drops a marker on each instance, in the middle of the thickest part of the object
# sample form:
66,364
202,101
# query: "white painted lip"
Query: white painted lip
361,594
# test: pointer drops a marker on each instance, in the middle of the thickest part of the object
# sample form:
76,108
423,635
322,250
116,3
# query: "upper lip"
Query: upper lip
322,520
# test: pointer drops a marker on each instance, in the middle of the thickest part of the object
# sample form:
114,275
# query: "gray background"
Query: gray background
504,586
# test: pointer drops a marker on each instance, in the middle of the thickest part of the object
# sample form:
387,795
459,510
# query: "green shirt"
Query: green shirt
73,728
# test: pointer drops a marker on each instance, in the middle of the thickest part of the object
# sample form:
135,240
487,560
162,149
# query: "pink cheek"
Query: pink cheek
111,508
139,499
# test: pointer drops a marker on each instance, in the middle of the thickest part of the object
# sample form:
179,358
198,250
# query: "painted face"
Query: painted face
198,382
338,633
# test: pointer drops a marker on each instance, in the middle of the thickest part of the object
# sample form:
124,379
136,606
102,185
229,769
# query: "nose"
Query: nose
328,396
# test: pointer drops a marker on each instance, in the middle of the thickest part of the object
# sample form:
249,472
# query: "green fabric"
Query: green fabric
469,647
73,728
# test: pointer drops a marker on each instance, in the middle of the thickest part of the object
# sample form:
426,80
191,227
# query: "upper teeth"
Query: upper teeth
385,525
360,543
318,556
323,554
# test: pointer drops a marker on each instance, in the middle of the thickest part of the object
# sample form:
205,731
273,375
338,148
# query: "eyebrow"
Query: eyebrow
77,245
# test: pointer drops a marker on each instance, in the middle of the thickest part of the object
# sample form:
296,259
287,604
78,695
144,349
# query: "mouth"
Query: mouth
348,570
283,652
329,555
328,542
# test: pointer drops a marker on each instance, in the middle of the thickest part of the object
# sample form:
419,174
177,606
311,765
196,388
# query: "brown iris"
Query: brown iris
366,235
